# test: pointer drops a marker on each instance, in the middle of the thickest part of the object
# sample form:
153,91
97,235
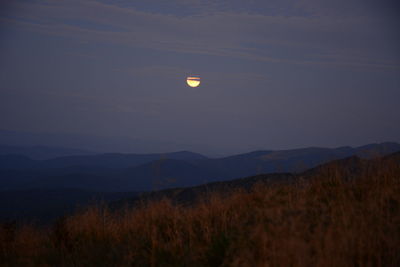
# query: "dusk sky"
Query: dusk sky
274,74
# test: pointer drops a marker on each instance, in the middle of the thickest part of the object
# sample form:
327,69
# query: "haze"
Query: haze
274,74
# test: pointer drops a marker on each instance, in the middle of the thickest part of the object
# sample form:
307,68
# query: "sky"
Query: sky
275,74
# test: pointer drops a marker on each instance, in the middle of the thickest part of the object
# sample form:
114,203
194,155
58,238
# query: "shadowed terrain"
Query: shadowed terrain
42,190
344,213
145,172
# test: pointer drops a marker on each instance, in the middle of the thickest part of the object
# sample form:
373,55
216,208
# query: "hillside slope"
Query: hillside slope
329,216
135,172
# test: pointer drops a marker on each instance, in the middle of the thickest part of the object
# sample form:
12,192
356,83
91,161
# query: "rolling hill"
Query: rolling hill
145,172
352,168
42,152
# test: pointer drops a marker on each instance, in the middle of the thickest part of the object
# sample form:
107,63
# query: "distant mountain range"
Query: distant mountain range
98,161
45,204
103,144
354,167
146,172
42,152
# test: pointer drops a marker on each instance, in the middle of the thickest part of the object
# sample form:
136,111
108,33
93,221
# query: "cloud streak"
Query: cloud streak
316,39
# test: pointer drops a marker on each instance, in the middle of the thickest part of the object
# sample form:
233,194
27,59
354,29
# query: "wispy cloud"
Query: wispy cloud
317,40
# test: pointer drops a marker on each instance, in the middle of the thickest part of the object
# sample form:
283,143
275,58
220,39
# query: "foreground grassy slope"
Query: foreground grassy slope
341,215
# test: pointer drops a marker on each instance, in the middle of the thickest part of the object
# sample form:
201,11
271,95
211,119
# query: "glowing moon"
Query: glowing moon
193,81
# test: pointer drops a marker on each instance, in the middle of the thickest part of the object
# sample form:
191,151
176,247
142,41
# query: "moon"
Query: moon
193,81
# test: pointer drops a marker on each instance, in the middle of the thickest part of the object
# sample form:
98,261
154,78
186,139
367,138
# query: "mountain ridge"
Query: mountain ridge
353,167
146,172
45,204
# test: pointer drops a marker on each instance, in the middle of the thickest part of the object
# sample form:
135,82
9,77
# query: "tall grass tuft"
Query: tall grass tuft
334,218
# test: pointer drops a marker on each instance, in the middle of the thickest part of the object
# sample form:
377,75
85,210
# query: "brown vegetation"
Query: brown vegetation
332,219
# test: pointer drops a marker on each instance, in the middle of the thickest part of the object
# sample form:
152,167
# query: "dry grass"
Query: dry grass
329,220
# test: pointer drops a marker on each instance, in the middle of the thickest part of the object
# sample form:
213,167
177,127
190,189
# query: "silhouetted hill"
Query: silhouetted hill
117,160
16,162
188,195
157,174
376,150
44,205
103,161
92,142
350,168
116,171
165,174
42,152
52,196
295,160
